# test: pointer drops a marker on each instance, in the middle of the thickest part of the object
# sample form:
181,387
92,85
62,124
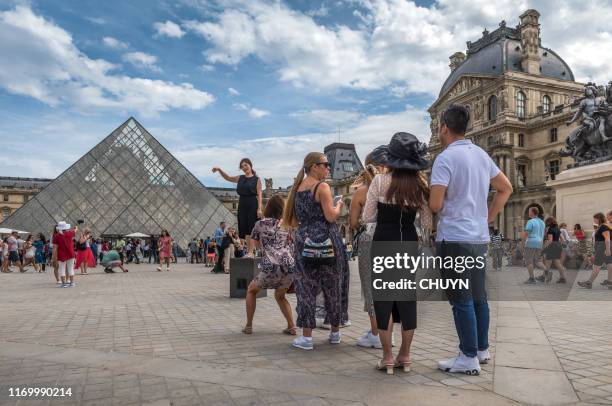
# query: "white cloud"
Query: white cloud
114,43
328,119
280,157
168,29
233,92
40,60
207,68
96,20
399,45
322,11
257,113
253,112
142,60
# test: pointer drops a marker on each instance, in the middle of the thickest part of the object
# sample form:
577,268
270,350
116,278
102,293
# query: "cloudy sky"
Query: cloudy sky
217,80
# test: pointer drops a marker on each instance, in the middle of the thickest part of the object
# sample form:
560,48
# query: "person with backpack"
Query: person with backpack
277,263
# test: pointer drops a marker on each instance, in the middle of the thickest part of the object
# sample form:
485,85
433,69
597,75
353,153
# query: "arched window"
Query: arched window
546,104
492,108
520,104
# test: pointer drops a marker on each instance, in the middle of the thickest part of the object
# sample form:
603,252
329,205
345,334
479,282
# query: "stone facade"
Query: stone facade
518,114
14,192
345,165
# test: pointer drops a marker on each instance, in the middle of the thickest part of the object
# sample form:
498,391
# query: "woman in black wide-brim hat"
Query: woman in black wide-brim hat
394,199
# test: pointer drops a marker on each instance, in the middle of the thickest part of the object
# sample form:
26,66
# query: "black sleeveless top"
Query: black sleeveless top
247,186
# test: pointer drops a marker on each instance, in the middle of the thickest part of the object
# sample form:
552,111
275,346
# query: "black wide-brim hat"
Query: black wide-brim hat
379,155
405,151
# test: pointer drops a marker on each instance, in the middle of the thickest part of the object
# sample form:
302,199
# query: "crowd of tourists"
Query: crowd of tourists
548,245
302,250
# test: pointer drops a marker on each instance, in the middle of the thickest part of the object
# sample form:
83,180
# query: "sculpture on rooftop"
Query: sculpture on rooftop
591,141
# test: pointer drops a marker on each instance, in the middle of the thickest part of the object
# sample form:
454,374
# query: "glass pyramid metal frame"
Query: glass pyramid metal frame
127,183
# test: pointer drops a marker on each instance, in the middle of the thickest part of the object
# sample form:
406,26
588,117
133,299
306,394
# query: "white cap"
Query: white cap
63,226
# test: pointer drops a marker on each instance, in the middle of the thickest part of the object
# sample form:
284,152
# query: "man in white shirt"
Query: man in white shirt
460,180
13,251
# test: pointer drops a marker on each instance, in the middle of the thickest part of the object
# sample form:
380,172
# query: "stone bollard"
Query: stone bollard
242,272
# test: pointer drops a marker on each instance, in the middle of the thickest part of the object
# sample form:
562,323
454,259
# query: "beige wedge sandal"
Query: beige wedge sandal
382,366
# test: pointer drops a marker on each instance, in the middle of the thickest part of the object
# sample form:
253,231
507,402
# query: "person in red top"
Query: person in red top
165,250
63,242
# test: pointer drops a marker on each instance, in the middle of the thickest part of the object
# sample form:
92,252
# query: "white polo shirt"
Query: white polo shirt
466,170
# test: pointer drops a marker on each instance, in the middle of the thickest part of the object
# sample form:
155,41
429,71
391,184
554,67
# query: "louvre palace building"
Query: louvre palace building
519,94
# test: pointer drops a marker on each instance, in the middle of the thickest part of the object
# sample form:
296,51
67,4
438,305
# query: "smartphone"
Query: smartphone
80,221
337,199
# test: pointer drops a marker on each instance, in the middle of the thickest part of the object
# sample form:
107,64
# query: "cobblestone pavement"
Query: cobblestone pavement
185,319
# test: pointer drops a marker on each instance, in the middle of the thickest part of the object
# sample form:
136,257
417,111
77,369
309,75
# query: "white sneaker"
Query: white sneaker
369,340
334,337
304,343
483,356
462,364
346,324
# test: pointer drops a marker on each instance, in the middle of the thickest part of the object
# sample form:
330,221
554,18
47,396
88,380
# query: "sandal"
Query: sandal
247,330
381,366
290,331
405,365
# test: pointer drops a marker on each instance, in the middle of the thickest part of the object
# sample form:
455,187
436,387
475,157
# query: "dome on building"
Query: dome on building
500,51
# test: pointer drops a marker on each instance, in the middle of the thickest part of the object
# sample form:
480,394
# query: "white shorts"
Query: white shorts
66,265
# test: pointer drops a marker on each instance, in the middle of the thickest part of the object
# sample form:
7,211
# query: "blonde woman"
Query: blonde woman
363,238
321,259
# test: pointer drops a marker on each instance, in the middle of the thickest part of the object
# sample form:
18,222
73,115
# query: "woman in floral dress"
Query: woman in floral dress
276,266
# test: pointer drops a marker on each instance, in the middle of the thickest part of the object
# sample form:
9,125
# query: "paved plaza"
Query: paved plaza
174,338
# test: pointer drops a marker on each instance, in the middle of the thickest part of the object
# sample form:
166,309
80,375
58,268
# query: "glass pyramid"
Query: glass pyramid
127,183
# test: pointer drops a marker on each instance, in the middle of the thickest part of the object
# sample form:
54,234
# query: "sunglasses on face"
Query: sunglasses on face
327,165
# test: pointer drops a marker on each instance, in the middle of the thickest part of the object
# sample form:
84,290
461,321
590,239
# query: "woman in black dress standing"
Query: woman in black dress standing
393,201
250,201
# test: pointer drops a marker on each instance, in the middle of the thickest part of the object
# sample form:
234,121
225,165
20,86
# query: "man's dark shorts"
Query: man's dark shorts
13,256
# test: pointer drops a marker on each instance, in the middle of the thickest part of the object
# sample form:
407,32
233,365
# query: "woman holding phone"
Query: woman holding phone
320,259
